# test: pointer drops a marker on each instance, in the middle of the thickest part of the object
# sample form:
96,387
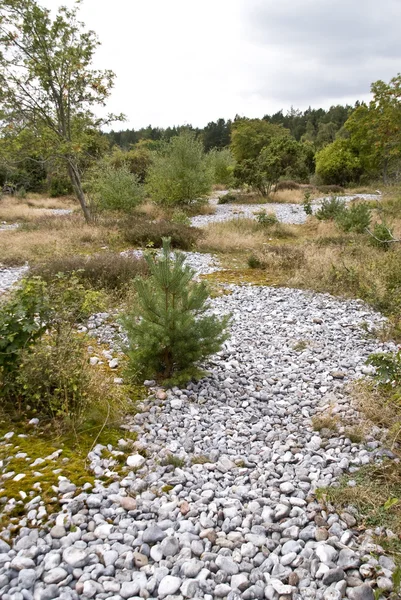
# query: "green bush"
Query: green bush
143,232
109,271
54,376
382,236
287,185
254,262
388,366
337,163
180,173
115,189
180,217
222,163
59,186
355,218
227,198
330,209
307,204
266,219
43,361
23,319
170,331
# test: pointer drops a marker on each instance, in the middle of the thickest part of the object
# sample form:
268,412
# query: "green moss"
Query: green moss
71,463
167,488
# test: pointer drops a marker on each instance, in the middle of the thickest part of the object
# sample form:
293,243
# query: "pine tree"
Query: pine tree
170,331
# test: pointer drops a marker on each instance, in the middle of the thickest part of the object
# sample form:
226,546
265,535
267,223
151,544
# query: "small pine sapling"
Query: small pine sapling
170,331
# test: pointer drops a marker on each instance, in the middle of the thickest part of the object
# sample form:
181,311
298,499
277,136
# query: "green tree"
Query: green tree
282,157
338,163
250,136
138,159
48,89
181,172
222,163
375,129
216,134
171,332
114,188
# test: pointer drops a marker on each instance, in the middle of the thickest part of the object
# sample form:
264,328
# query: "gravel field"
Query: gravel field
232,515
286,213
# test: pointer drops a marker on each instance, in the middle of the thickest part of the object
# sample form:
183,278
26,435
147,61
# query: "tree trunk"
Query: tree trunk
77,185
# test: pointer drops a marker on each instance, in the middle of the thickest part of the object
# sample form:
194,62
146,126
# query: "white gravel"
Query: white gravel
10,275
285,212
232,515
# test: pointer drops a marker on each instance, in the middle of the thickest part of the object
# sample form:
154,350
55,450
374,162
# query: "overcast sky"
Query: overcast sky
193,61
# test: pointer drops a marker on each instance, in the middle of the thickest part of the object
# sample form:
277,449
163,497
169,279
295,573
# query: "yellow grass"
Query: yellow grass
231,236
14,210
59,237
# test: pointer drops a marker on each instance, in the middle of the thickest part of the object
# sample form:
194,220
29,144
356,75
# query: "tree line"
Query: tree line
52,139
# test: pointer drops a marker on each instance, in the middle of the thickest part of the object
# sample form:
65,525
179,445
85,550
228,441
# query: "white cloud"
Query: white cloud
192,61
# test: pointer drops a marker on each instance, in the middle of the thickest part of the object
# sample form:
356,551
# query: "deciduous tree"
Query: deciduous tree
48,87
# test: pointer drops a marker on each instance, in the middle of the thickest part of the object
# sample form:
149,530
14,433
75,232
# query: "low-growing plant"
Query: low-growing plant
356,218
180,217
266,219
307,204
34,308
382,236
330,189
140,232
54,376
170,331
254,262
227,198
287,185
109,270
330,209
23,319
388,366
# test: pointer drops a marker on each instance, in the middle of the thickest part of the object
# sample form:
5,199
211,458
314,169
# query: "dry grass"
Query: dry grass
157,212
233,236
325,421
53,237
291,196
14,210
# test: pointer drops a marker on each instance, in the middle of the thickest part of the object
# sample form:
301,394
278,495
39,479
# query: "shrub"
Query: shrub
287,185
307,204
181,172
138,159
330,189
115,189
43,362
382,235
23,319
173,332
388,366
109,271
355,218
227,198
337,163
330,209
142,232
180,217
222,163
59,186
21,193
254,262
266,219
54,376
